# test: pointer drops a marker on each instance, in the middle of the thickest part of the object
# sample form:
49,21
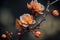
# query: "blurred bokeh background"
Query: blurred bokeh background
12,9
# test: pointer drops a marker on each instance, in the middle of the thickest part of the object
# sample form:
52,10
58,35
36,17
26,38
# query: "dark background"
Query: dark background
18,7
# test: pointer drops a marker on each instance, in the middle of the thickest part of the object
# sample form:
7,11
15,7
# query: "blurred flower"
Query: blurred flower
24,21
27,19
35,6
18,24
3,36
18,33
37,34
55,13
